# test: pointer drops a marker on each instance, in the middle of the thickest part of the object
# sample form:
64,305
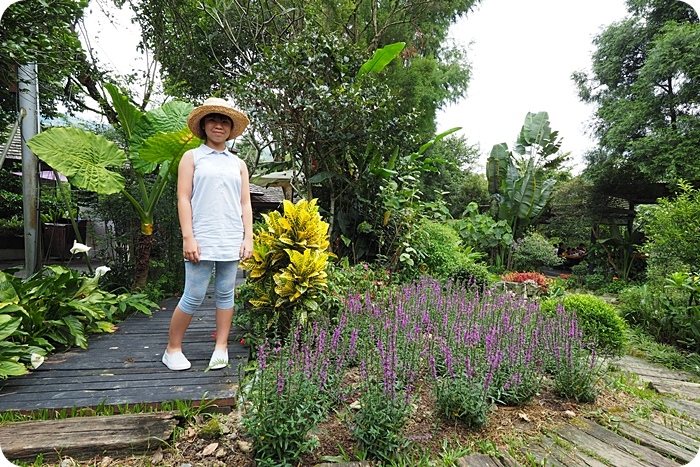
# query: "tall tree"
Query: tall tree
645,84
205,46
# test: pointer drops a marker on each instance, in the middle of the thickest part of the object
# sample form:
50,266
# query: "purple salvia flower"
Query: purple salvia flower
280,383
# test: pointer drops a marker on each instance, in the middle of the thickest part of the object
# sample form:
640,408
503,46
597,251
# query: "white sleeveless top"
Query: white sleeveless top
216,204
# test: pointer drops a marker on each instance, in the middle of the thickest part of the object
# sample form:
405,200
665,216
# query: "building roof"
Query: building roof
15,151
266,199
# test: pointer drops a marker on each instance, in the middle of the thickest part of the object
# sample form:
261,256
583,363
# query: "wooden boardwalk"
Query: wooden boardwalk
124,368
666,437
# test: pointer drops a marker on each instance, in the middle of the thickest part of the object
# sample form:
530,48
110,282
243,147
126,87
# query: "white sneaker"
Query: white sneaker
219,360
176,361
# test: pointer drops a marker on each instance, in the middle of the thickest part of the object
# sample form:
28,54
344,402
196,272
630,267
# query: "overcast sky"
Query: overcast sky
523,54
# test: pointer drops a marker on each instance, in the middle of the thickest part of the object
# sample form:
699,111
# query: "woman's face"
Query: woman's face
217,127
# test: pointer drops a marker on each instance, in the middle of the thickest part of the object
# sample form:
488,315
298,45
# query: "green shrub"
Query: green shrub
473,273
595,281
532,252
672,229
438,246
667,312
614,286
598,320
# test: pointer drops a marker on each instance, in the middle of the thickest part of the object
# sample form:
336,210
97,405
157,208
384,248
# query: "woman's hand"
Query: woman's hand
190,249
246,249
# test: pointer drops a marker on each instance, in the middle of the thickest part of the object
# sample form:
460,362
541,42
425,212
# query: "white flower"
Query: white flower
101,271
79,248
36,360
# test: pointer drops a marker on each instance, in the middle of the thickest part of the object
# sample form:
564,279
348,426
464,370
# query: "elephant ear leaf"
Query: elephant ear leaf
168,146
82,157
129,115
170,119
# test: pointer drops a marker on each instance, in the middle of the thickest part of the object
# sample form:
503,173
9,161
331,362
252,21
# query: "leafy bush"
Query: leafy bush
595,281
462,398
378,424
533,251
472,273
672,229
482,232
288,267
667,312
615,285
598,320
437,245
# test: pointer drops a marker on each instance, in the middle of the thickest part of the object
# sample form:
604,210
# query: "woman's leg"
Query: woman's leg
225,284
197,277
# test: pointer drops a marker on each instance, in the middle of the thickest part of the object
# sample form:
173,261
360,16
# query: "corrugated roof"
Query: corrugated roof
15,152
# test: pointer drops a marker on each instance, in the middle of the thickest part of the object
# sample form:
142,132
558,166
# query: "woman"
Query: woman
216,219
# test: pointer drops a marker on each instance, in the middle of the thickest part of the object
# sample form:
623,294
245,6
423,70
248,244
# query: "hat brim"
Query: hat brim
240,120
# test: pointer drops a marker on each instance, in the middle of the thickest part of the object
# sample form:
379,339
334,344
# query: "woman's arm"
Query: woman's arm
185,178
246,214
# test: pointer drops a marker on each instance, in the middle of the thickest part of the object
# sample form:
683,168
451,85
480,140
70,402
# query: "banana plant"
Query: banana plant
155,142
518,196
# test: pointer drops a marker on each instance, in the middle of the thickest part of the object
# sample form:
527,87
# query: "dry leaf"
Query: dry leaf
244,446
190,433
221,452
105,461
524,416
209,450
570,414
157,457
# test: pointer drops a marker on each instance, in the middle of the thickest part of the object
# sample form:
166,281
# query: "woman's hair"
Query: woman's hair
214,115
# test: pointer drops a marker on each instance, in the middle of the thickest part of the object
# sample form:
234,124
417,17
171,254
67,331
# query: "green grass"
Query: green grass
643,345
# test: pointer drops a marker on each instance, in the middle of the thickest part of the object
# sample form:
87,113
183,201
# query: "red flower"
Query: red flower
243,341
213,335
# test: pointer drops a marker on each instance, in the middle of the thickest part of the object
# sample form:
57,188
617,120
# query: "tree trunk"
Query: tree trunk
143,261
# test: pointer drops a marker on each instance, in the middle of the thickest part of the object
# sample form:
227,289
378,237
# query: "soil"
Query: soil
508,428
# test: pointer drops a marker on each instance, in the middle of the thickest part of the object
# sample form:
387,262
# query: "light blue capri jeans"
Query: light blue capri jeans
197,276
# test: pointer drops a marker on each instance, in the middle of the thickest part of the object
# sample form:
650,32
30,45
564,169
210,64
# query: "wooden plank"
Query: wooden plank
125,368
672,436
623,444
563,455
677,424
506,459
688,408
643,368
588,442
537,451
675,388
658,445
478,460
81,438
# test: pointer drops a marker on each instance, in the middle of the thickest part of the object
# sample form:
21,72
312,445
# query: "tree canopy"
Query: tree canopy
204,47
645,84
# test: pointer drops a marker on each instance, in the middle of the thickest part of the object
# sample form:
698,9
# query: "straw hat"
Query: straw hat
218,106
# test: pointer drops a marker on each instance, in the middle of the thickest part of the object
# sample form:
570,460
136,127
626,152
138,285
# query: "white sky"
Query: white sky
523,54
